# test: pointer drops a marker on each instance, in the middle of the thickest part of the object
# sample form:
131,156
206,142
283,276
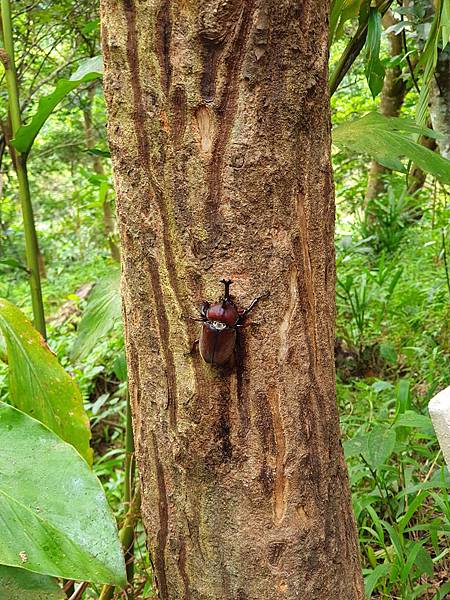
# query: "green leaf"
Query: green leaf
54,516
340,12
445,23
413,551
15,264
39,385
18,584
403,396
98,152
387,351
442,592
356,445
380,445
102,313
371,580
413,419
374,70
389,139
428,59
25,136
120,366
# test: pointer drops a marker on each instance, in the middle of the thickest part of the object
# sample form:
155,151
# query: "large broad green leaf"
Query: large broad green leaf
374,69
102,313
54,517
25,136
380,445
39,385
18,584
388,140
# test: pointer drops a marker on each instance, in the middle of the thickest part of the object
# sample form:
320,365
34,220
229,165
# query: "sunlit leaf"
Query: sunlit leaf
25,136
54,516
389,139
102,313
19,584
412,419
38,384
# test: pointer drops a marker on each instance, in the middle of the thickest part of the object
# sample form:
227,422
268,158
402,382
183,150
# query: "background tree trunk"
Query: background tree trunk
220,134
440,101
391,102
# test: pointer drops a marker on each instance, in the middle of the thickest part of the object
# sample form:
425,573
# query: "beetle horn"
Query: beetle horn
226,283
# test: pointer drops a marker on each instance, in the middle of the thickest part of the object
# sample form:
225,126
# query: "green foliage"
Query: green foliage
25,136
374,68
38,385
440,27
58,519
340,12
387,140
386,219
102,313
394,492
18,584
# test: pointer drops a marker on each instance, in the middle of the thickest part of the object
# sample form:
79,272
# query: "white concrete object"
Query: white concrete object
439,409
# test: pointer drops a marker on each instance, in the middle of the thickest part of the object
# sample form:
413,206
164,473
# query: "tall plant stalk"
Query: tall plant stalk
20,165
132,504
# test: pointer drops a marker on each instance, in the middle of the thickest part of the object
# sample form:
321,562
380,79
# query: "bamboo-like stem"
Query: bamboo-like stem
20,165
132,505
126,537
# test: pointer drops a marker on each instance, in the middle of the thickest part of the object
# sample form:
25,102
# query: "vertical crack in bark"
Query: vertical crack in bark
161,538
163,36
182,567
139,120
163,326
280,485
288,317
226,111
179,115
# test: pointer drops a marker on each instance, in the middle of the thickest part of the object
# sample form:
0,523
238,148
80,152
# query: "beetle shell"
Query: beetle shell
224,312
217,342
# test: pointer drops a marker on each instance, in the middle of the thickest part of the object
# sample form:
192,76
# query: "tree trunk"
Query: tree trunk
219,129
440,101
91,139
391,102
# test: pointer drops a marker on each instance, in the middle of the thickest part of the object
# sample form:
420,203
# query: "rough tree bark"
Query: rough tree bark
219,129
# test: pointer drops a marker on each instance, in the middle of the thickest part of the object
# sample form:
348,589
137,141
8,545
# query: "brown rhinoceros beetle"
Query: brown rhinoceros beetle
220,324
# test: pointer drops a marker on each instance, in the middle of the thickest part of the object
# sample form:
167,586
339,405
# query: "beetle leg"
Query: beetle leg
254,302
192,350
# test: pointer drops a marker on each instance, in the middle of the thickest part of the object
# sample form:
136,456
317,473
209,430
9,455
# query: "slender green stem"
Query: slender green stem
20,165
444,256
132,505
126,537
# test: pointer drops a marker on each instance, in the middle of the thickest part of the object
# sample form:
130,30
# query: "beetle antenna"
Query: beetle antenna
226,283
